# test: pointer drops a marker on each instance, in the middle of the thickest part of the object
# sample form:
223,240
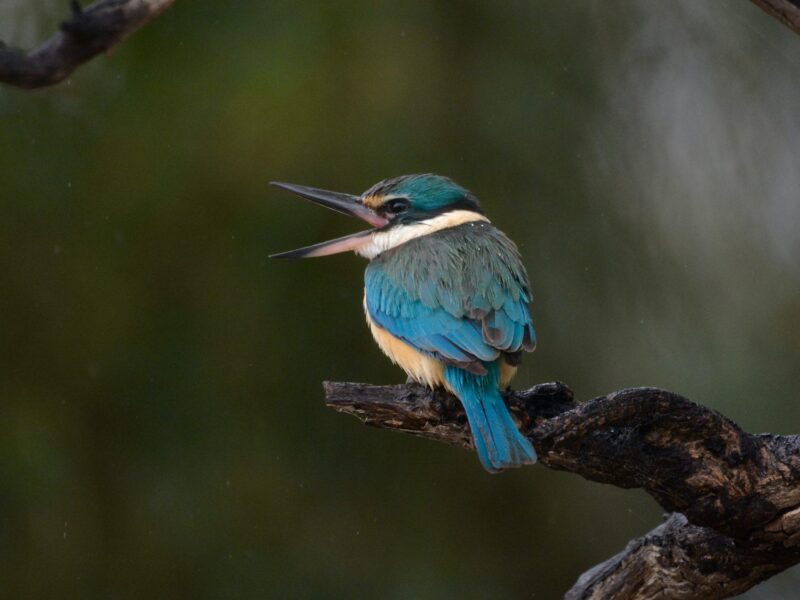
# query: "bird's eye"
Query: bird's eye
397,206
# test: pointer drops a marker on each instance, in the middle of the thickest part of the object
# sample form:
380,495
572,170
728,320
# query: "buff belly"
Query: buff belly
421,367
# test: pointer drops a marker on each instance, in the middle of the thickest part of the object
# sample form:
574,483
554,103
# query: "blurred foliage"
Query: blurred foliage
162,432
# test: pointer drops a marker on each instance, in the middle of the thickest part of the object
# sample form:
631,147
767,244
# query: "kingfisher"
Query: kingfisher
446,297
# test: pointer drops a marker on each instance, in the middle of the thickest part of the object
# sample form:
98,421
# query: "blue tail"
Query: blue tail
498,442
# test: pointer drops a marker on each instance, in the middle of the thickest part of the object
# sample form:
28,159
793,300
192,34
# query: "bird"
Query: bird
446,297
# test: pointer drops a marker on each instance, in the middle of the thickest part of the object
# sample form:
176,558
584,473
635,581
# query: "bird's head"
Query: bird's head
413,198
391,206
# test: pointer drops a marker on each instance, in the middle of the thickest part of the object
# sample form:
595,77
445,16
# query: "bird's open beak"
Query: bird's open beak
343,203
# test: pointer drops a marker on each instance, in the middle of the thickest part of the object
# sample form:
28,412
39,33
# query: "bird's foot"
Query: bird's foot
447,405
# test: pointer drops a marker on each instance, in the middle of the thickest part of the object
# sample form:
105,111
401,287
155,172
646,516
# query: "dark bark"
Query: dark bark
736,496
786,11
678,560
90,31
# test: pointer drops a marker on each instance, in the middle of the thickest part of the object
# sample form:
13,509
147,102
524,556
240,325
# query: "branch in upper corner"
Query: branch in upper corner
786,11
89,31
740,493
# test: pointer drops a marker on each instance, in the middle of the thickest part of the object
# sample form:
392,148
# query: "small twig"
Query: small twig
89,32
739,494
786,11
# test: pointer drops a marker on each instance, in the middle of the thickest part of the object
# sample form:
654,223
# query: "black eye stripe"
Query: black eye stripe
395,205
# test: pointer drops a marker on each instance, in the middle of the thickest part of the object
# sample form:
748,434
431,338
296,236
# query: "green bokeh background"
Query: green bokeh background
162,430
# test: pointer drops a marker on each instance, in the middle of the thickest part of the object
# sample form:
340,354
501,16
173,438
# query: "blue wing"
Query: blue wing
465,302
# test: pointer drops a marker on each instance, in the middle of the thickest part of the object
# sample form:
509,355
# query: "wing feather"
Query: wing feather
459,294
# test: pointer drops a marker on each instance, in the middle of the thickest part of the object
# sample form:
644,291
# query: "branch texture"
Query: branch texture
736,496
681,561
86,34
786,11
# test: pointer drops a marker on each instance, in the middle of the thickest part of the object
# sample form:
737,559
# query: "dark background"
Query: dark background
162,430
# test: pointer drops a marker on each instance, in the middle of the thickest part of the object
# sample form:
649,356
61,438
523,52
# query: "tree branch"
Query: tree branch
738,493
681,561
786,11
86,34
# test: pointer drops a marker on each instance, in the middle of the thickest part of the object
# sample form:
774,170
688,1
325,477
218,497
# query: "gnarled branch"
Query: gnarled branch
86,34
736,495
681,561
